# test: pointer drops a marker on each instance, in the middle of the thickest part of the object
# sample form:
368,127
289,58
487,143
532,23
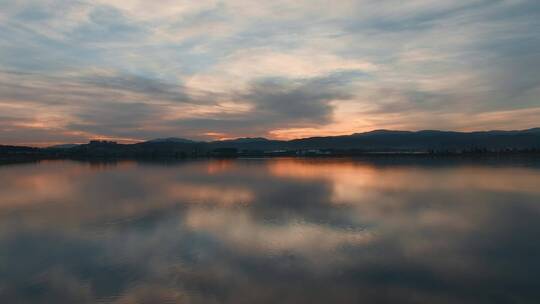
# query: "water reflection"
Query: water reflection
268,231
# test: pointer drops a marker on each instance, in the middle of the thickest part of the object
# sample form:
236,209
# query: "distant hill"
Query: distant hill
390,140
170,140
64,146
386,141
17,149
244,140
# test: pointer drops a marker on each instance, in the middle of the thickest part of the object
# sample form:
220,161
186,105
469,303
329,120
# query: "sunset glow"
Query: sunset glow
134,70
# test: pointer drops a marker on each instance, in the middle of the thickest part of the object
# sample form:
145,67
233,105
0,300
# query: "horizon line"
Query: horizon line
136,141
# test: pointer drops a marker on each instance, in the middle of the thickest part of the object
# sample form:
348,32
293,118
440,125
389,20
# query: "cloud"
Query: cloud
106,24
296,102
48,109
246,65
152,89
279,102
117,119
258,63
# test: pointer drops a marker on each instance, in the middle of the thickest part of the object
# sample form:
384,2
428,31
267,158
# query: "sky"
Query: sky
131,70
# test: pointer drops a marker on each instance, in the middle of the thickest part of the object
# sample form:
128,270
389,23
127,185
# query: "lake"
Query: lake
382,230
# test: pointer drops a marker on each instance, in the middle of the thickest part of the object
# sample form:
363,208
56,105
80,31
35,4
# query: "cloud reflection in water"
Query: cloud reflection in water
267,231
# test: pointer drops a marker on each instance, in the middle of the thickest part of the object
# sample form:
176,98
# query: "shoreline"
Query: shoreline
29,158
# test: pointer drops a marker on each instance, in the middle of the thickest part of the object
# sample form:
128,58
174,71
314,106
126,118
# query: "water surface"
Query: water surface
270,231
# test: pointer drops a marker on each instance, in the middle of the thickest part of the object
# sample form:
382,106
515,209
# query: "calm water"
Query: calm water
270,231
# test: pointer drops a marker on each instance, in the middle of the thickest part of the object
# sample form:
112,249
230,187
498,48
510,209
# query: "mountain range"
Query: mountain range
386,141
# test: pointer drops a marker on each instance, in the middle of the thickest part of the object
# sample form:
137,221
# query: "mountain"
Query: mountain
64,146
247,143
17,149
388,141
393,141
170,140
244,140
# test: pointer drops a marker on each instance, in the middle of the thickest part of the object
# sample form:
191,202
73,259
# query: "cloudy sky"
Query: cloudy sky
131,70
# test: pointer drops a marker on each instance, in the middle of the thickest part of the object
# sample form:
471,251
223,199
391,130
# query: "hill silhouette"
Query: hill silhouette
377,141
